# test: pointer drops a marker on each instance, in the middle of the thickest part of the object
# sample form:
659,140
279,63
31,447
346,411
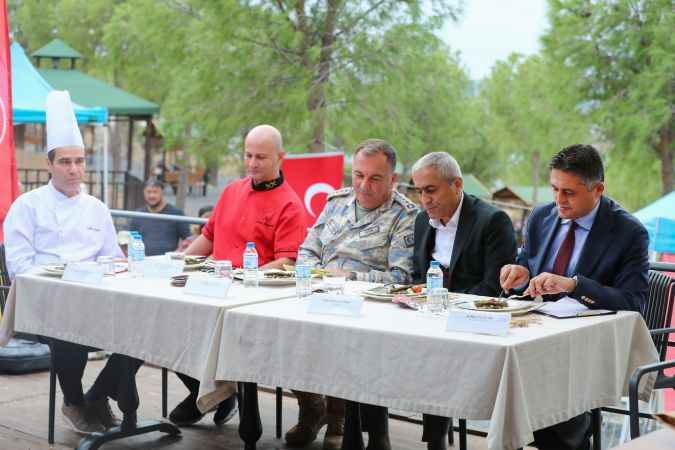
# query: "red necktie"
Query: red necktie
562,259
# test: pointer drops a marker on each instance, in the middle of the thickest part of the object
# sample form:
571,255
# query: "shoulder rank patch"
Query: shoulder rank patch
409,240
340,192
407,204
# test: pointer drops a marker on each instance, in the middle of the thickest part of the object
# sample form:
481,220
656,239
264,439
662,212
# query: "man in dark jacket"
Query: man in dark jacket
584,246
470,238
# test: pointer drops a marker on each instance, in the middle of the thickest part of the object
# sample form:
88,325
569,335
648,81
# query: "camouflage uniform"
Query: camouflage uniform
378,247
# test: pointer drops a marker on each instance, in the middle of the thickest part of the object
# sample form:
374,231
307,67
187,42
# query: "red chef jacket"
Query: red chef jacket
270,214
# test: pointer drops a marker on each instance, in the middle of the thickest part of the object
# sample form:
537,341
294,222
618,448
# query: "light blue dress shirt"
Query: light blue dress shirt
584,225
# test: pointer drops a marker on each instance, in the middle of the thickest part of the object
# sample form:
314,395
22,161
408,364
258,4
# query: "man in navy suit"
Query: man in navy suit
584,246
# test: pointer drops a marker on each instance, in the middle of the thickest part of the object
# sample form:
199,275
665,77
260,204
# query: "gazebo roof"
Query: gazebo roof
89,91
57,49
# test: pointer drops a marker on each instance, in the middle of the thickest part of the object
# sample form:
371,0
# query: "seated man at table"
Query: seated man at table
260,208
58,223
584,246
366,233
470,238
159,236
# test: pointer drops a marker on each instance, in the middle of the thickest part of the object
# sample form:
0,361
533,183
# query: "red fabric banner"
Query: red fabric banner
9,187
313,176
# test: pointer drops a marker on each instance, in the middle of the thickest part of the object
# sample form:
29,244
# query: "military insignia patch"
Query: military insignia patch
370,231
409,240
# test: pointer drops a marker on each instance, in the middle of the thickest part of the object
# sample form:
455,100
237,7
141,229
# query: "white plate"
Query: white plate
515,307
55,270
265,281
379,293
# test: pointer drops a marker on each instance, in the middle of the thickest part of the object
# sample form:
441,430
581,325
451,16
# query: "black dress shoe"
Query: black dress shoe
226,410
186,413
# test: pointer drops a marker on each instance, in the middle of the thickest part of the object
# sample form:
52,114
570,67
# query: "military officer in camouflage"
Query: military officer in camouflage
366,233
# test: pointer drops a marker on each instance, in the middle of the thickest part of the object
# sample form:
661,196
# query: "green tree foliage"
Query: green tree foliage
622,53
414,93
534,110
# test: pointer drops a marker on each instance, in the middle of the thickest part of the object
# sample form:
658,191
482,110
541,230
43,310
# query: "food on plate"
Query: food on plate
416,289
278,274
193,260
491,303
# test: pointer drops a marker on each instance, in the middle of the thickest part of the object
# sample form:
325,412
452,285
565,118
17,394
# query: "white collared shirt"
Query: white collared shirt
44,226
445,236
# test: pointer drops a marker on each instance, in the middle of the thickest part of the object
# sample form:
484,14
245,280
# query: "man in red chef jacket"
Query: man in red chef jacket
259,208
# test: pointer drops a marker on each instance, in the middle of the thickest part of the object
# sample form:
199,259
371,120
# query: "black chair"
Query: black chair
657,314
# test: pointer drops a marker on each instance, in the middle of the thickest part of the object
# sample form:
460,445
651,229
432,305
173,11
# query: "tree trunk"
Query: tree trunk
536,175
316,103
666,151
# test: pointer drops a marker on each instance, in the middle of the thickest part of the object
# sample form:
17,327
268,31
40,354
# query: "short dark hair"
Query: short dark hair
582,160
51,155
154,182
371,147
203,210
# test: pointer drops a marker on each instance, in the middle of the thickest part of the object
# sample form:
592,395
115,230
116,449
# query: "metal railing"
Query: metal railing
154,216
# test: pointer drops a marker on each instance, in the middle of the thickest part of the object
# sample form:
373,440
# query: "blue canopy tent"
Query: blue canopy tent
29,94
659,219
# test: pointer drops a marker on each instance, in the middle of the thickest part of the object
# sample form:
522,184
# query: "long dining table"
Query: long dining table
535,376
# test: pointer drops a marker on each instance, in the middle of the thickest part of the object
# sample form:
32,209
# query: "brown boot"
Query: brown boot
311,417
335,413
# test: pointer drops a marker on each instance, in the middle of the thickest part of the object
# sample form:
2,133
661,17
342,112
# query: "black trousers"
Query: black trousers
117,380
375,419
574,434
192,384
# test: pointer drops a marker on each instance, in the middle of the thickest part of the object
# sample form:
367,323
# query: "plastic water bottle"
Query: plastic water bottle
136,255
434,276
250,265
303,277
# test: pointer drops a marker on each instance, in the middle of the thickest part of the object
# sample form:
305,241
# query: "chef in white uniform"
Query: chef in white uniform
59,223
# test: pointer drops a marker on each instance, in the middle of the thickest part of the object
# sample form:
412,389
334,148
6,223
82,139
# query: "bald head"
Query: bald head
263,153
265,135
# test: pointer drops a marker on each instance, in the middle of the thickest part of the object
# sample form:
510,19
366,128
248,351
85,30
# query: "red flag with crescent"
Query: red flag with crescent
9,187
313,176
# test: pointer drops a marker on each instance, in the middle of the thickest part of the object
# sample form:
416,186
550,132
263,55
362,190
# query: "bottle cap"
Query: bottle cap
435,264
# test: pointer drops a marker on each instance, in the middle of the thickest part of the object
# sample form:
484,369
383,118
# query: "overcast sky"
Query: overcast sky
490,30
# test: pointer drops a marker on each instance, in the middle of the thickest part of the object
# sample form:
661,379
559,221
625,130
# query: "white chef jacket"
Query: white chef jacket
44,226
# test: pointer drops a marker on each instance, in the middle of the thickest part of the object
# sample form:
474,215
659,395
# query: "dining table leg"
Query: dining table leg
250,426
353,437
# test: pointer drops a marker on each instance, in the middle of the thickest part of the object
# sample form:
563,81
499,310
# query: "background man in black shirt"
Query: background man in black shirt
159,236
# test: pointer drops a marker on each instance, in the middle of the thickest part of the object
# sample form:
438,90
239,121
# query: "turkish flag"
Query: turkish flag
9,187
313,176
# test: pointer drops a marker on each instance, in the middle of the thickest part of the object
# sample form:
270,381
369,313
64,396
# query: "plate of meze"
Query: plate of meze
270,277
389,291
491,304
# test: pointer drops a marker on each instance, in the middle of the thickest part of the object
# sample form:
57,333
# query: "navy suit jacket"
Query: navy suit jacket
612,271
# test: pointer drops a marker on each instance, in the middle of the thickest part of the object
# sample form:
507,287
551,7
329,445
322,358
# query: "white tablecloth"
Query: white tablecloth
533,378
141,317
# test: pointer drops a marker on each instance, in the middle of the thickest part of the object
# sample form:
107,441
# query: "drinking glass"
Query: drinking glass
107,263
437,300
223,269
334,284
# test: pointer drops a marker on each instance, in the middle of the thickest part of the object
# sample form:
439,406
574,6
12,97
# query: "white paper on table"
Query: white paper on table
566,306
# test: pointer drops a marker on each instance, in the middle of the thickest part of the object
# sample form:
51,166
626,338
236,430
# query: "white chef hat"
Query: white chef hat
62,129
